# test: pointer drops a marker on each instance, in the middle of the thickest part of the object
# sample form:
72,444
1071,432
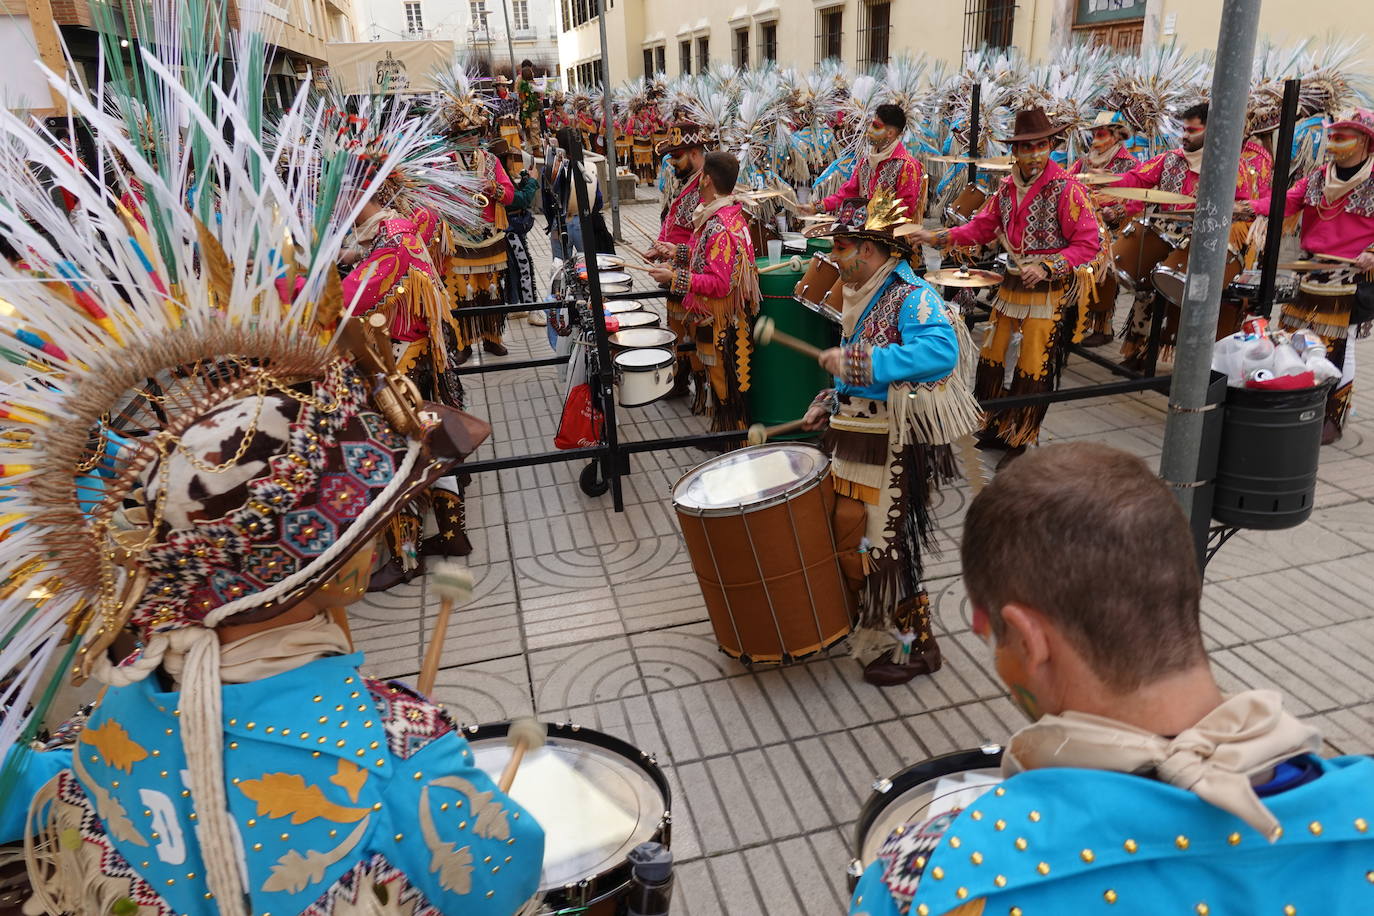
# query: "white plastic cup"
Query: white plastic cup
775,251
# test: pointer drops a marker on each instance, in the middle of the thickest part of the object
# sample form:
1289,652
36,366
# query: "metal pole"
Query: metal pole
1183,429
514,72
1278,197
609,125
975,114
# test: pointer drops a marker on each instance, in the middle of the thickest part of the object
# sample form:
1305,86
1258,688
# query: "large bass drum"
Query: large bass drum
596,797
757,523
941,784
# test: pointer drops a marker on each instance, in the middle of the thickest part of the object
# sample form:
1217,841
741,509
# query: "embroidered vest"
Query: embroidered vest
1043,231
1359,202
887,174
1173,174
880,327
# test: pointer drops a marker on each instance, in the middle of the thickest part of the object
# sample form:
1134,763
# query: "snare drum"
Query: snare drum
596,797
612,281
1245,287
794,242
623,305
637,318
965,204
946,783
816,288
757,526
643,376
642,338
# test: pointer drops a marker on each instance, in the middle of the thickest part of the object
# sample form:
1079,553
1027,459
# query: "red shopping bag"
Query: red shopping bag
581,423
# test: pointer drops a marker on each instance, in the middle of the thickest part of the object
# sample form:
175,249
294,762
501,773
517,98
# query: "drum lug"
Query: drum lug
855,869
991,748
883,785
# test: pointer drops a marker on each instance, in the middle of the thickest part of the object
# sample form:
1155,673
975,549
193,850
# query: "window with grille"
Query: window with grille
520,14
684,56
875,33
768,42
648,61
661,59
415,22
742,48
988,22
567,16
478,9
703,53
830,33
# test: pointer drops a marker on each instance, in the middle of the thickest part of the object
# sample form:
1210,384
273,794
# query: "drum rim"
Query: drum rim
891,787
669,357
611,881
756,507
620,316
629,346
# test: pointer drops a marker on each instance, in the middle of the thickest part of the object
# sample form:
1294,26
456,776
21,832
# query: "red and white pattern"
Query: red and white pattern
411,722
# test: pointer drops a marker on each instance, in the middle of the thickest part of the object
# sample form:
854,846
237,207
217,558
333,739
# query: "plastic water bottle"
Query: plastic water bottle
651,880
1287,361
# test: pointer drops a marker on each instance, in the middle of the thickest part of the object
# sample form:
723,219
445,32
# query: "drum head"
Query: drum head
596,797
644,358
1170,282
749,477
636,319
793,241
921,792
622,306
615,278
643,337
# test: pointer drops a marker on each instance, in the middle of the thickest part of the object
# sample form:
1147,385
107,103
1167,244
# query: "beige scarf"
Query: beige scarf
703,212
363,233
1335,189
1099,161
269,652
1194,159
856,298
878,157
1217,759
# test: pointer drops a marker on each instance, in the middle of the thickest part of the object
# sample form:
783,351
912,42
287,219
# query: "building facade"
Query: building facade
672,37
476,27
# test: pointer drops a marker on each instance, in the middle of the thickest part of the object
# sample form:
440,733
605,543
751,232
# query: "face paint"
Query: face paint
1031,158
1104,138
878,135
682,167
1346,148
1194,135
846,258
1027,702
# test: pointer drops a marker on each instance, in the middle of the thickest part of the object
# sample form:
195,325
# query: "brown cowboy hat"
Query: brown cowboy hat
684,135
1032,124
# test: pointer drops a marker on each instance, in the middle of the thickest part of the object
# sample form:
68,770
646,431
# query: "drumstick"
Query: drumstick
1326,257
759,434
452,581
794,262
524,735
765,333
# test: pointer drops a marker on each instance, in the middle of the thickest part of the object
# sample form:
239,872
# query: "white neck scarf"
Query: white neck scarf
268,652
1099,161
1243,738
1335,189
878,157
1194,159
703,211
856,298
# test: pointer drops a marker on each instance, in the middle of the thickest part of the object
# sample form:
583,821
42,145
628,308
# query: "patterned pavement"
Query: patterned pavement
582,614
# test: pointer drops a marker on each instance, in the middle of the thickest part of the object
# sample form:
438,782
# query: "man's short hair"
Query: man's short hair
1088,536
1198,111
892,116
724,171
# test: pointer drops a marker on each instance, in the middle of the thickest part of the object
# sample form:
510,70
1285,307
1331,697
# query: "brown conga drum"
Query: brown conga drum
757,523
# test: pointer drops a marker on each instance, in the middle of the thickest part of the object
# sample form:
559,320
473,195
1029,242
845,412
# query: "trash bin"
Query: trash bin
783,382
1267,468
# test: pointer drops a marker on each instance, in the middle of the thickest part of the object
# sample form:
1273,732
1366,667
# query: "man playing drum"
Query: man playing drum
887,167
1046,222
686,152
899,400
1138,781
1175,171
1336,205
718,284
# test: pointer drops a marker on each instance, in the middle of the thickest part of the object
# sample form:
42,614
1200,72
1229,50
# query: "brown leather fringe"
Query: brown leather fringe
850,445
1338,404
897,572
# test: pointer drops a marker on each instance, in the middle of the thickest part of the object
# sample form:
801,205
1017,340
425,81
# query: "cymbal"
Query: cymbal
957,276
1095,178
951,159
1147,195
994,163
1308,265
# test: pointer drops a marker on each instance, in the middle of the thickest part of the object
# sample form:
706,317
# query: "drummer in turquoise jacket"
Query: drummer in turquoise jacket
901,396
1139,787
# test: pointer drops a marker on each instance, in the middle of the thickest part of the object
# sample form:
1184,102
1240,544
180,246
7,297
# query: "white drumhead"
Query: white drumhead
749,476
794,241
614,277
643,337
644,358
636,319
620,307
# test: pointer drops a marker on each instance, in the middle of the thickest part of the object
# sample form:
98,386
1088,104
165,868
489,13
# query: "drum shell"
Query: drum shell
965,204
1230,316
771,571
641,384
820,277
1136,250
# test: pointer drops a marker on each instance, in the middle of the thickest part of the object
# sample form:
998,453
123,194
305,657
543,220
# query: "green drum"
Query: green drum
783,382
815,245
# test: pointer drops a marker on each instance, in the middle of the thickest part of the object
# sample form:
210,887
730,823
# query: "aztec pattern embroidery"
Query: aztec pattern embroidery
880,327
684,205
366,878
1043,231
1359,202
1173,174
906,852
411,722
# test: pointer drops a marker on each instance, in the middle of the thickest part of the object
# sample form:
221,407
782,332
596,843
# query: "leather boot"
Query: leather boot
884,672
